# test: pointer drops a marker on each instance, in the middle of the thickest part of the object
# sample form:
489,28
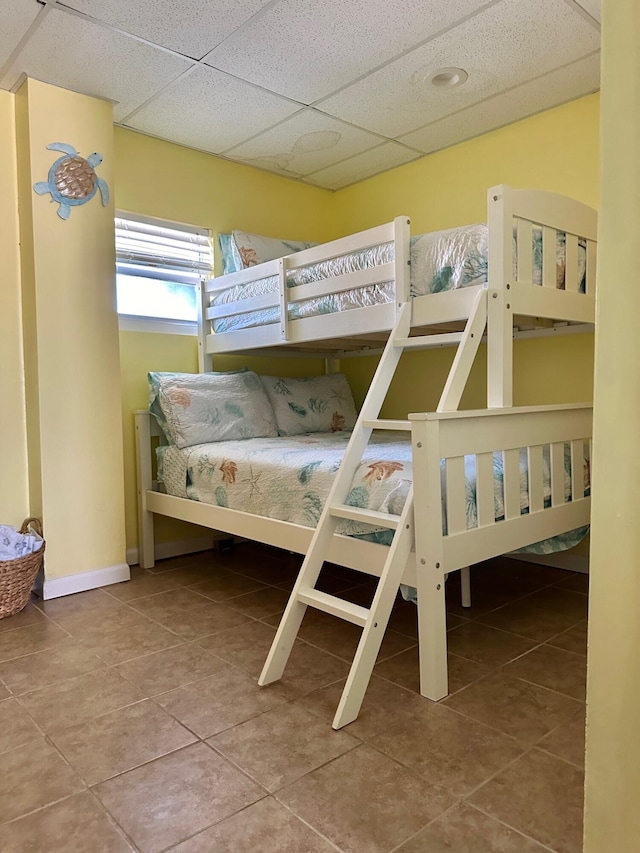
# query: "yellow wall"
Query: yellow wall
612,817
169,181
14,497
76,468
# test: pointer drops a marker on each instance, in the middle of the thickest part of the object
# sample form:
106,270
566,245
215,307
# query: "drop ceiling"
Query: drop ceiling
324,91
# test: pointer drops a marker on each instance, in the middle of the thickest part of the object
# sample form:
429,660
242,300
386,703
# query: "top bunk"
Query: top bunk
535,260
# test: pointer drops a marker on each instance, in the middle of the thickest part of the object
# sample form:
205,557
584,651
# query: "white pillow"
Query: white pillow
316,404
199,408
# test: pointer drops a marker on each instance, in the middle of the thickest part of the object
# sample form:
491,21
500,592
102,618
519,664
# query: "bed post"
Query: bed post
402,255
430,568
499,313
205,360
144,478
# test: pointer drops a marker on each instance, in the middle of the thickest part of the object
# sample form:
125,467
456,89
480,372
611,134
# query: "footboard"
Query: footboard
541,487
552,497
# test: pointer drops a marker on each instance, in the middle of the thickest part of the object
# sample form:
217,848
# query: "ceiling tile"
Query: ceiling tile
362,166
306,142
559,86
192,27
305,50
73,53
17,16
592,7
210,111
525,40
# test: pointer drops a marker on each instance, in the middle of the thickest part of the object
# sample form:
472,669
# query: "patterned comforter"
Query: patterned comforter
289,479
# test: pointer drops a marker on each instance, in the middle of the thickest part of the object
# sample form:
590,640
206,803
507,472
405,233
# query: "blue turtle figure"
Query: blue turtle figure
72,179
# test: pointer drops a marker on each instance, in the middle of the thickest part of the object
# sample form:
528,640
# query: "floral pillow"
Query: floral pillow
316,404
198,408
249,250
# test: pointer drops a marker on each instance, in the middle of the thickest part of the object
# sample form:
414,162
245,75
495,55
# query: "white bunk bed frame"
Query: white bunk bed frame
423,552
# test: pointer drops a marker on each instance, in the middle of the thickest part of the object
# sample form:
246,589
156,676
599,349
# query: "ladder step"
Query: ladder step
366,516
429,341
335,606
385,424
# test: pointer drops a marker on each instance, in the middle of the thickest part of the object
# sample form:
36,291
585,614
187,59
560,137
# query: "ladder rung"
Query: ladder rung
395,425
366,516
335,606
429,341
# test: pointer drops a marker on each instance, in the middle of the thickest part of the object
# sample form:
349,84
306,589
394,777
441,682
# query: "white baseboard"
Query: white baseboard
176,548
561,560
57,587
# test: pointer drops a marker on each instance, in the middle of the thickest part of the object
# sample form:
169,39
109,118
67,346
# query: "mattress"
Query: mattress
440,261
289,479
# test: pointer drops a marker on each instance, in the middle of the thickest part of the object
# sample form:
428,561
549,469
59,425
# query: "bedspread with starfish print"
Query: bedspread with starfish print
288,478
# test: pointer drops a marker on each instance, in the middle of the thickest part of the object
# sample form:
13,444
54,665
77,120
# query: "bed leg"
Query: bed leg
146,545
465,586
432,634
144,481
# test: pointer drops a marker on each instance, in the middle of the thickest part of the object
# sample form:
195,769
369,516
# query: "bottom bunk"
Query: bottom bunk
486,483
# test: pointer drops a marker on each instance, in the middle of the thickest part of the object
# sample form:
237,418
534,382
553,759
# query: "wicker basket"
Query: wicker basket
17,576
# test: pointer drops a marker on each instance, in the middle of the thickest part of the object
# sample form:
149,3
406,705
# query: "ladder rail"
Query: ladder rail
374,620
326,527
378,619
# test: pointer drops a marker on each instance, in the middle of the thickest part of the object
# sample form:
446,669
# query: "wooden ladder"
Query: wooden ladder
374,619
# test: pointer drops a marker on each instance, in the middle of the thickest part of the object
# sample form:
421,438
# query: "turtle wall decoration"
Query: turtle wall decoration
72,179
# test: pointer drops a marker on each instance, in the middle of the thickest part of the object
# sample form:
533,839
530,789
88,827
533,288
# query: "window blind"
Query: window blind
169,252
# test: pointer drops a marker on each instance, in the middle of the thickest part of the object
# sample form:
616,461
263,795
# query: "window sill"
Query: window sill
157,325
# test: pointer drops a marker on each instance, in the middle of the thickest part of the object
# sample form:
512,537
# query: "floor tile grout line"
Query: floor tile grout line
314,829
539,746
537,841
119,828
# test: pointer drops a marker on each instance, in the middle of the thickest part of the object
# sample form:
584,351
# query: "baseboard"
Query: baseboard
176,548
562,560
57,587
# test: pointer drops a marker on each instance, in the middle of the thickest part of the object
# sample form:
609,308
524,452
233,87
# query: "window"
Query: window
158,267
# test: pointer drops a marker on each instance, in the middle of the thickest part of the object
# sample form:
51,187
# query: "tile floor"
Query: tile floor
130,719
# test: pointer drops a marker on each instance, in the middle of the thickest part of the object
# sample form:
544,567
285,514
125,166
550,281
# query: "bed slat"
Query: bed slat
536,478
340,283
485,484
571,281
456,495
548,257
577,469
525,250
511,465
257,303
557,473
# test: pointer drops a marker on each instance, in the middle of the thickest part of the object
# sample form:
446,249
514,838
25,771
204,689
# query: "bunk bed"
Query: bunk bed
529,479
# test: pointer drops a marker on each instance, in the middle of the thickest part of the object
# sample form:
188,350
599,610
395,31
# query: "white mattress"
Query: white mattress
442,260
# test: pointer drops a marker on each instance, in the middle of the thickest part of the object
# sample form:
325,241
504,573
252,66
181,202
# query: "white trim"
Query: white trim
177,548
57,587
158,325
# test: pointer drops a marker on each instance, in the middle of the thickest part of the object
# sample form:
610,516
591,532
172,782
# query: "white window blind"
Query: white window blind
158,265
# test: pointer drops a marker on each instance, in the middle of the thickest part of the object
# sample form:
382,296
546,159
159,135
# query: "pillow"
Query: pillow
155,378
230,258
252,249
198,408
447,260
317,404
